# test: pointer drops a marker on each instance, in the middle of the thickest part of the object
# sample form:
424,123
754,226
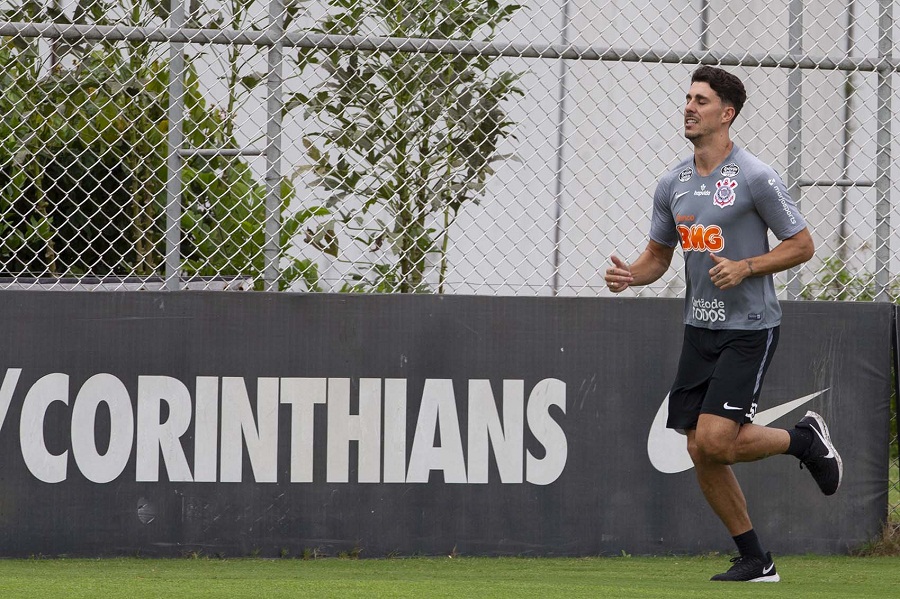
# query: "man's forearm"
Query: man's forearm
651,265
787,254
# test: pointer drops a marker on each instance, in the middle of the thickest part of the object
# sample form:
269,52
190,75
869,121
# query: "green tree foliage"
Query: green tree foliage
83,163
407,139
835,281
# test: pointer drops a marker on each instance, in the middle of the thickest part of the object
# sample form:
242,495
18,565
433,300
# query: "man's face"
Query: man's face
704,111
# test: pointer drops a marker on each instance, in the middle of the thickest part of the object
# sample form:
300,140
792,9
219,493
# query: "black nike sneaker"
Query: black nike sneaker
749,568
821,459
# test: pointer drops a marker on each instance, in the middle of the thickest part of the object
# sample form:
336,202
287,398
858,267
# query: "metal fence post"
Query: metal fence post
795,123
704,25
274,85
883,152
561,117
173,160
846,133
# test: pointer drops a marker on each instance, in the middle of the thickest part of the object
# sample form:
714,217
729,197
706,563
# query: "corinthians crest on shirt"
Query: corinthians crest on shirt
724,195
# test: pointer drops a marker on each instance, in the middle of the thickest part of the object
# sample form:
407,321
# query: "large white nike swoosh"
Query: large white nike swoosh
679,195
667,449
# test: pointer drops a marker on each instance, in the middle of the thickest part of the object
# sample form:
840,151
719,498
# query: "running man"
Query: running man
719,205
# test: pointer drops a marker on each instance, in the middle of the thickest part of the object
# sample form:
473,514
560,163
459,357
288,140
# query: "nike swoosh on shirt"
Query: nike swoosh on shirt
682,194
667,449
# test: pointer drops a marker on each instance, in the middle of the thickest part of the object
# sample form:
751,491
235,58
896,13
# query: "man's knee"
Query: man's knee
711,448
714,440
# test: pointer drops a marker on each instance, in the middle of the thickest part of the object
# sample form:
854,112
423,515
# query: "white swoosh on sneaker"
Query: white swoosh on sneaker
825,442
667,448
769,569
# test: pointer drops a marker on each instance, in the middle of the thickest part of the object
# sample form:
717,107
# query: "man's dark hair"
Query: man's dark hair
727,86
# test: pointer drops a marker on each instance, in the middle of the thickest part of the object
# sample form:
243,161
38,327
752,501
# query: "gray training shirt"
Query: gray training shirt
727,213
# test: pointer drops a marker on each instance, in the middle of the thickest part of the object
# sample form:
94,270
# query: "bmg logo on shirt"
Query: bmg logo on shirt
708,311
701,238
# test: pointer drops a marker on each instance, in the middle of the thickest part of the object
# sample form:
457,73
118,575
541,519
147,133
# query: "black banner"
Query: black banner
237,423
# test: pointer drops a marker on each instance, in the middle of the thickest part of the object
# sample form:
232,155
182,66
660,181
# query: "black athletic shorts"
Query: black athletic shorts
720,372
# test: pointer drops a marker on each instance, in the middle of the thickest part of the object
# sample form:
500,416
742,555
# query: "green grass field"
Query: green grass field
546,578
819,577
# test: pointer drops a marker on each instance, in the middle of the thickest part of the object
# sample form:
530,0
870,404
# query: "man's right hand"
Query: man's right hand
619,277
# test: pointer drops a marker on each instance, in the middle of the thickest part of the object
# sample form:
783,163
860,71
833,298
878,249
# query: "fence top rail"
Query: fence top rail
300,39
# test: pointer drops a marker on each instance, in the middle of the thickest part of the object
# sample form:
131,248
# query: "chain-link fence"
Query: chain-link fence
438,145
453,146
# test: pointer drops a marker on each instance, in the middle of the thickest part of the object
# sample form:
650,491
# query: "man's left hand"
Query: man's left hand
726,273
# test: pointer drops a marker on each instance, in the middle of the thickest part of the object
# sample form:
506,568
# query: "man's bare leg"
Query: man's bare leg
714,445
717,443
